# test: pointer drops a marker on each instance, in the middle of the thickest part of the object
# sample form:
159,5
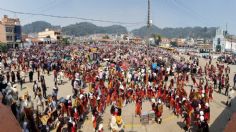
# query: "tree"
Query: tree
106,37
157,39
3,47
65,41
173,43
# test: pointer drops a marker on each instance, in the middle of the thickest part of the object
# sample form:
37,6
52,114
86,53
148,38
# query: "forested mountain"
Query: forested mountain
37,26
195,32
78,29
86,28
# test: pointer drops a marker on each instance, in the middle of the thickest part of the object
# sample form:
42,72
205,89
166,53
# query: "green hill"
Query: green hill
85,28
37,26
195,32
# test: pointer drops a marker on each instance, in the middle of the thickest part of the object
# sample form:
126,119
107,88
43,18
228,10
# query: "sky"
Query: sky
164,13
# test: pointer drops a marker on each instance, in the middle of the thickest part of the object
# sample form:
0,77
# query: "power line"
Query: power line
192,12
48,5
67,17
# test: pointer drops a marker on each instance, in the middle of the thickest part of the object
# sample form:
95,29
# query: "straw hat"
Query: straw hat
26,93
118,120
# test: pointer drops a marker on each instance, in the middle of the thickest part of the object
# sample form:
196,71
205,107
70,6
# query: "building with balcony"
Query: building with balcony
50,36
10,31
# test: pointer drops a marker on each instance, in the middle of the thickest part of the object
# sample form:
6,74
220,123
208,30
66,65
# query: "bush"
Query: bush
3,47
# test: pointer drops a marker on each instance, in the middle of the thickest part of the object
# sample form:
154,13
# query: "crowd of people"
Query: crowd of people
107,76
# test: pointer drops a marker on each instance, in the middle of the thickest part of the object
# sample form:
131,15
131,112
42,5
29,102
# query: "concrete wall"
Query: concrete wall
2,34
228,46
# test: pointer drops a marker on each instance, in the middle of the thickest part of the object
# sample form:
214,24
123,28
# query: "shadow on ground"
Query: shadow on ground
221,121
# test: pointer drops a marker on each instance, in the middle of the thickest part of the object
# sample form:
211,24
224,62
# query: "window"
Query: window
9,29
9,38
56,33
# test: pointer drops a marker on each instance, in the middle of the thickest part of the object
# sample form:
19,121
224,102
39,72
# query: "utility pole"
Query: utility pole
149,22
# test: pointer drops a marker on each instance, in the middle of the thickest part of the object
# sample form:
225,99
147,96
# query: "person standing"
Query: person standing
48,68
44,88
234,80
21,83
55,91
220,85
210,60
227,69
8,77
230,97
18,76
226,88
197,62
76,87
38,71
138,106
35,88
55,76
39,103
215,81
42,78
31,74
13,77
159,111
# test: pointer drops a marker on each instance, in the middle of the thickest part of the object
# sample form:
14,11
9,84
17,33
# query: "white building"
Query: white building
224,42
54,36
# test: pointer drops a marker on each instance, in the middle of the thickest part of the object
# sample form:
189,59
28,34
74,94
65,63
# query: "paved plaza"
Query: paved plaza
219,114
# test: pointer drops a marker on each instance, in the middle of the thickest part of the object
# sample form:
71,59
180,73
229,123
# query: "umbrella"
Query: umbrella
154,66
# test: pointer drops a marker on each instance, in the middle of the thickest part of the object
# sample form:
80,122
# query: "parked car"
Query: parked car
228,60
221,59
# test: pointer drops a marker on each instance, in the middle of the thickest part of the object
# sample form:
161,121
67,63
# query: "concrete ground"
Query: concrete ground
219,112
